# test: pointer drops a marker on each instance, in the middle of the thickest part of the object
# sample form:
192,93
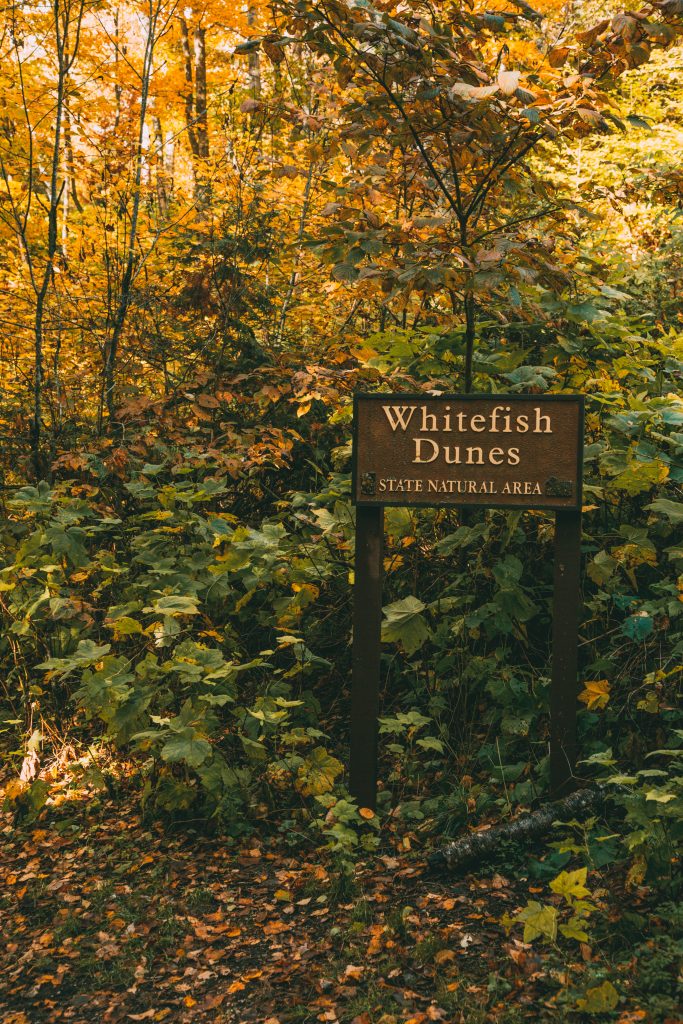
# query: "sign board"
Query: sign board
494,450
505,451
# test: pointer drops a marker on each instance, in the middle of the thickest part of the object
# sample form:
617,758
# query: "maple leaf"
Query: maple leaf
318,773
599,999
571,884
538,920
595,694
405,623
575,928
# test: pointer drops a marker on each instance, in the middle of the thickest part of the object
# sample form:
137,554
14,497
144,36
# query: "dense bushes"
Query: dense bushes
141,604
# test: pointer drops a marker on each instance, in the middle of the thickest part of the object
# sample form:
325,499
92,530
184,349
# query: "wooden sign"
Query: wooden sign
508,451
494,450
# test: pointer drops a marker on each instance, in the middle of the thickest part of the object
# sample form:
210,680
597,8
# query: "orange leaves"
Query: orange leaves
274,927
271,393
208,401
352,973
595,694
558,56
377,940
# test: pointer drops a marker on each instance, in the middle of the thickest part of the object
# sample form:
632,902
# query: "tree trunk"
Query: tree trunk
125,293
480,847
117,80
64,63
169,162
188,95
254,60
295,268
160,166
470,336
70,169
200,91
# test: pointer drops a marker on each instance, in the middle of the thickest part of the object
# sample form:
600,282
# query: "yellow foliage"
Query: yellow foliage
595,694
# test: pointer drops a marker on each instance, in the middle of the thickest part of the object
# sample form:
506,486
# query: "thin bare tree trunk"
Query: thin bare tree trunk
169,162
254,60
117,79
295,269
160,166
70,167
200,91
63,24
470,337
111,350
188,95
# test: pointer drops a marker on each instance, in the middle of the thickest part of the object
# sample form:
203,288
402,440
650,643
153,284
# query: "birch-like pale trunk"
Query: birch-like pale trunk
67,16
125,290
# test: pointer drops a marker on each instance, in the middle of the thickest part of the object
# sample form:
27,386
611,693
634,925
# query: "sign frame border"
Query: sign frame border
576,506
367,612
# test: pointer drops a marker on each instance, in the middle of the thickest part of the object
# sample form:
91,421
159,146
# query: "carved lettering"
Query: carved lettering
419,441
399,415
431,449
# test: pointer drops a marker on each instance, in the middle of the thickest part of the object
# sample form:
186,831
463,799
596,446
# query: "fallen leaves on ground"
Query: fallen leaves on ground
109,920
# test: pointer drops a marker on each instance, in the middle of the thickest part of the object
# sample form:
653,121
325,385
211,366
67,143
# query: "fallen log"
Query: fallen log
479,847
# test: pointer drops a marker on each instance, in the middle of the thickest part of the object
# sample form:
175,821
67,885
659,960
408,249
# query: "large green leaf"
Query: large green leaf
174,604
571,884
187,745
404,623
87,653
318,773
538,921
640,476
673,510
599,999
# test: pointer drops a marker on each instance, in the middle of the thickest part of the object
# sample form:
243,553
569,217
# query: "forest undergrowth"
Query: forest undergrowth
218,226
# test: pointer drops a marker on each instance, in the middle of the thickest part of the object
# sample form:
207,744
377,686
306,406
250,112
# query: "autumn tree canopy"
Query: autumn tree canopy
217,224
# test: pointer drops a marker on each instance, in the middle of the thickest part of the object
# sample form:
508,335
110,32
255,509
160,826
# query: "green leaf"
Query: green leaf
87,653
187,745
599,999
673,510
640,476
125,626
660,798
514,725
68,542
538,920
254,750
403,722
601,568
575,929
344,272
638,122
638,626
430,743
37,499
404,623
36,797
571,884
318,773
174,604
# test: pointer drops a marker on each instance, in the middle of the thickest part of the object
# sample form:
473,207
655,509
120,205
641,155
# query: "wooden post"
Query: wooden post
563,687
367,623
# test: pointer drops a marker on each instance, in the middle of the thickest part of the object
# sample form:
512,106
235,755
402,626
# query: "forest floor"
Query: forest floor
107,919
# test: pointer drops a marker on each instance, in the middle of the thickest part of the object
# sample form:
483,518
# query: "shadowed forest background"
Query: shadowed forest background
217,223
